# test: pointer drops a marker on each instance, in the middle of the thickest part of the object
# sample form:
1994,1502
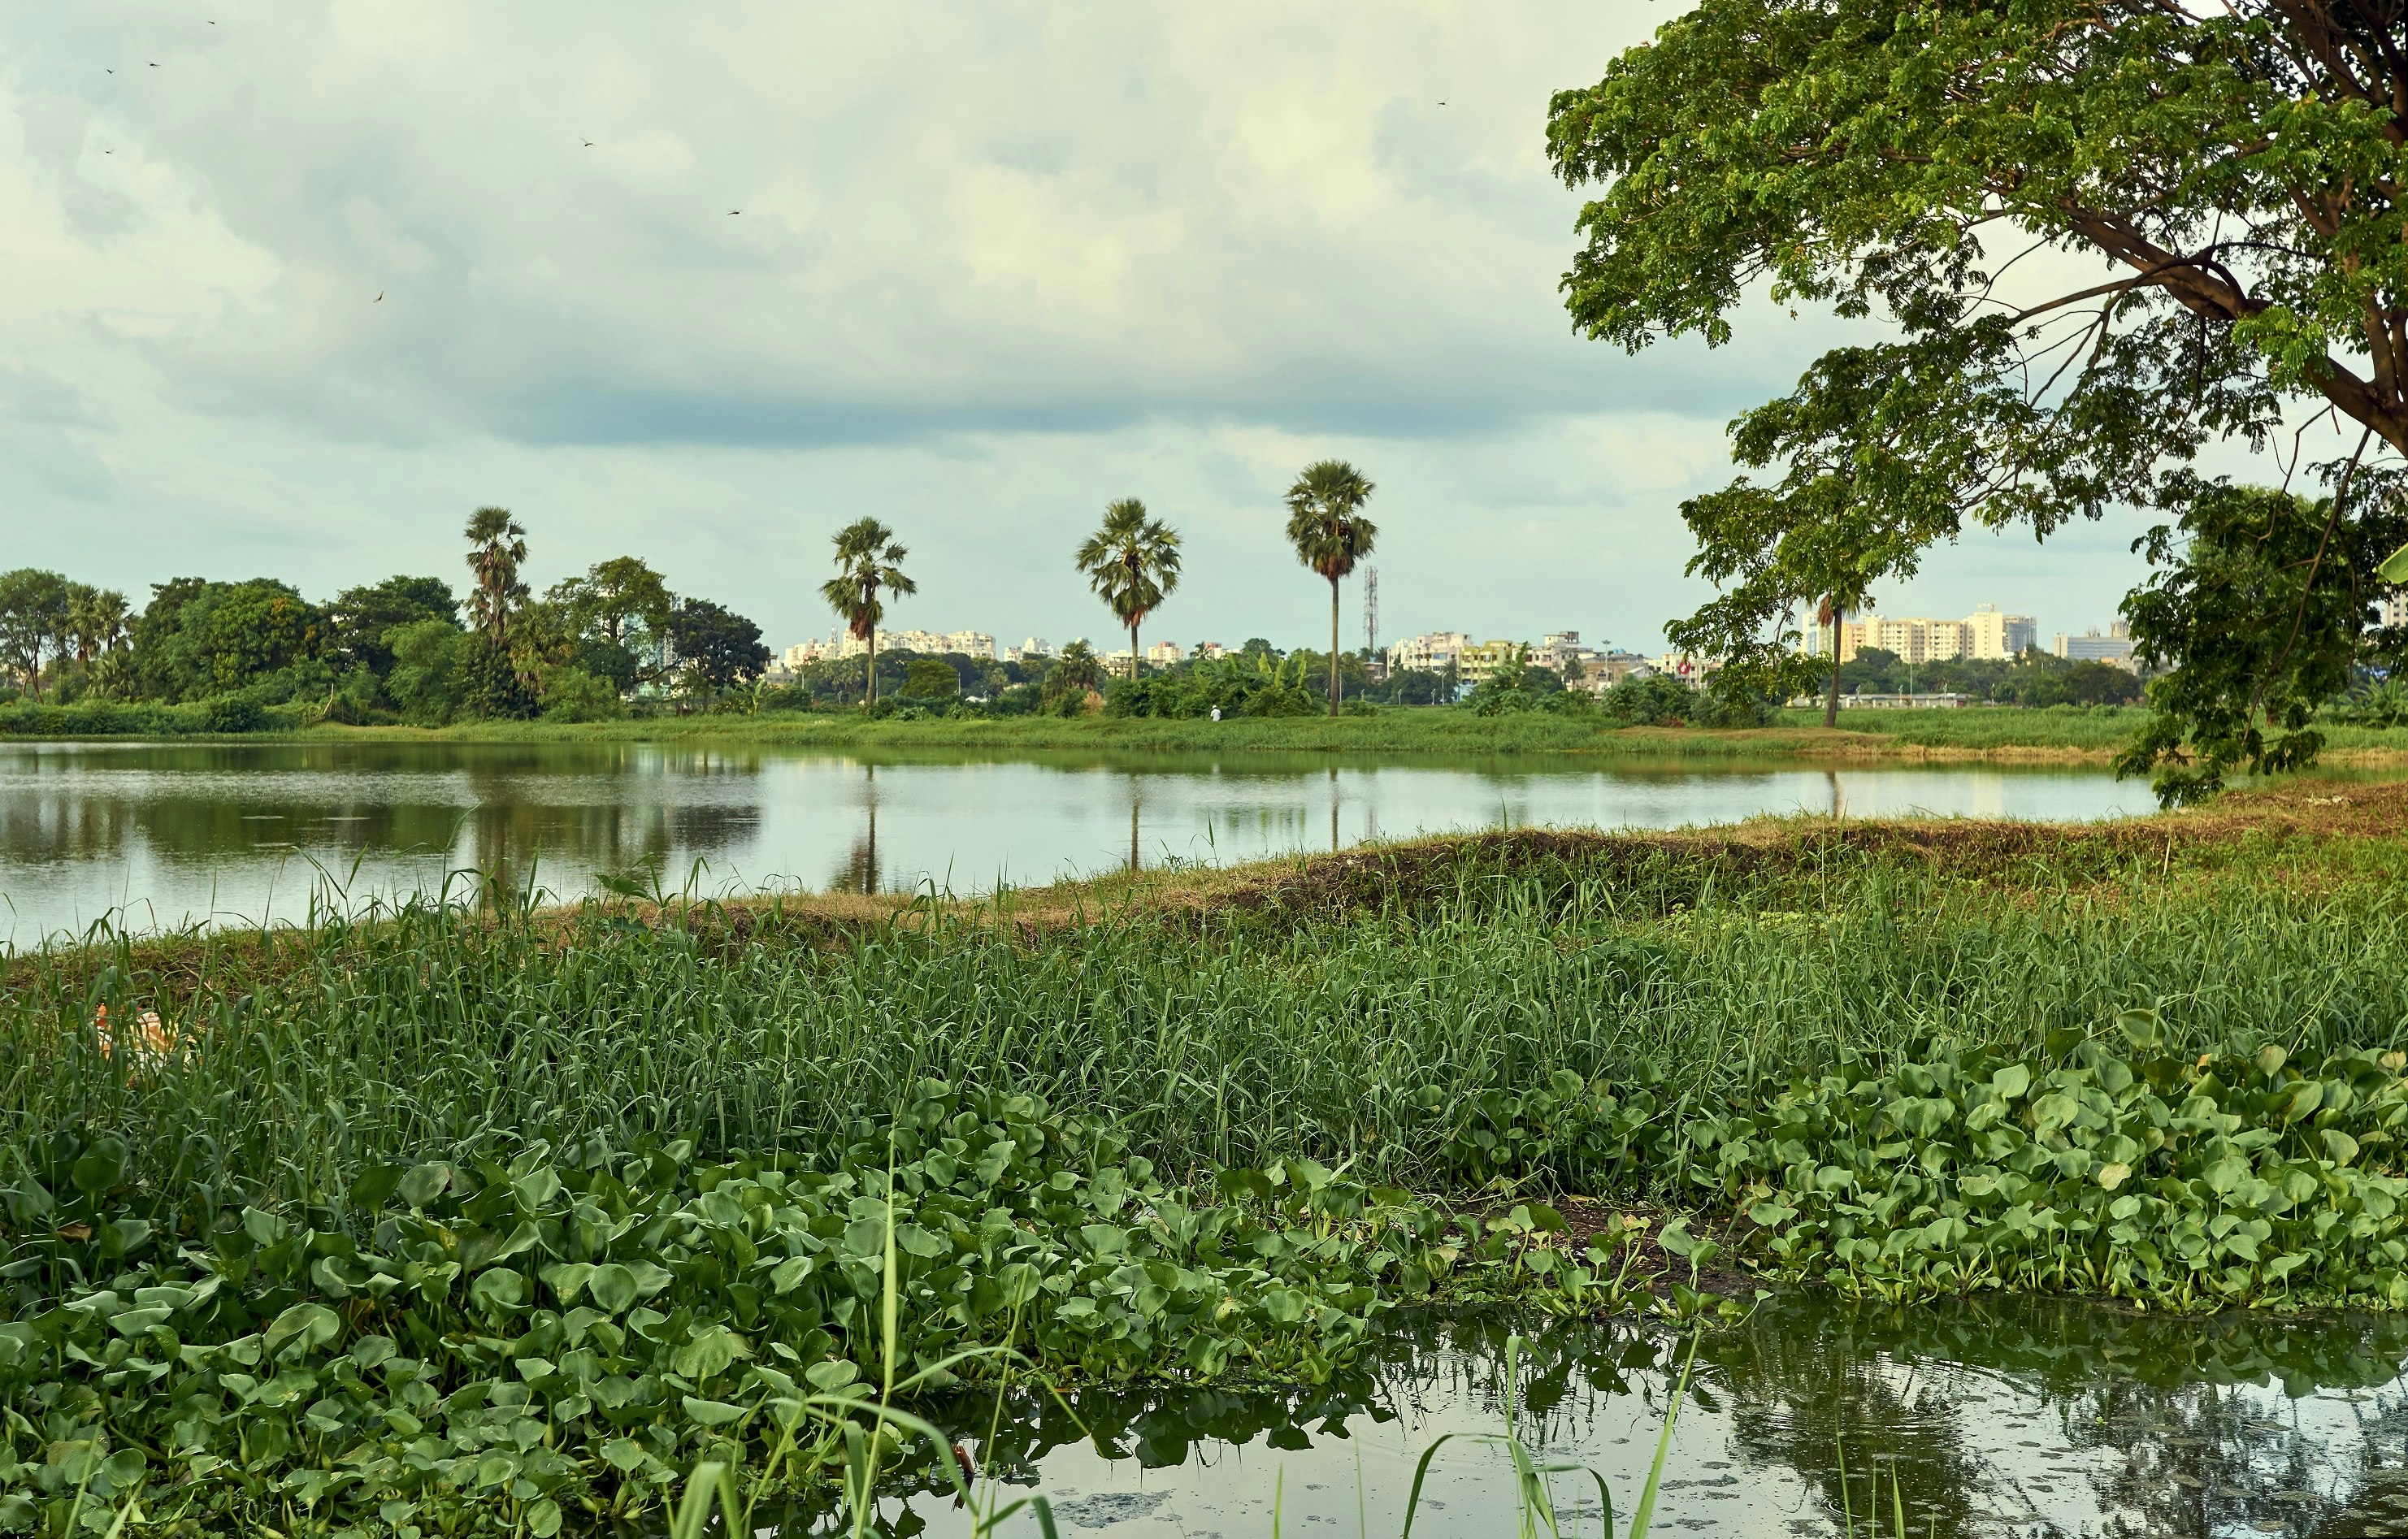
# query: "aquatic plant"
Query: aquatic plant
567,1335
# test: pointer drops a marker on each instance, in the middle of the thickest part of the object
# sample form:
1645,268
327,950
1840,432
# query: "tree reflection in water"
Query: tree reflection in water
2035,1417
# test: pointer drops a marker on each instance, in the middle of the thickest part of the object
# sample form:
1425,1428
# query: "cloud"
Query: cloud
994,265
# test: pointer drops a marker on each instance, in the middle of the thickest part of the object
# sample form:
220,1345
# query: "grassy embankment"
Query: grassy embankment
618,1179
2058,734
2066,733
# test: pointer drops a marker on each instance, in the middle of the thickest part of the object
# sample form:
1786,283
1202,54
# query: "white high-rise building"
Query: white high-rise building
1435,652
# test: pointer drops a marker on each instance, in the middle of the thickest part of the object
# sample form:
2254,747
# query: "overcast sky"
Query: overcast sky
977,270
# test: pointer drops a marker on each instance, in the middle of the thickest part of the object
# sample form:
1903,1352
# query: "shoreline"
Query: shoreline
1971,735
1326,883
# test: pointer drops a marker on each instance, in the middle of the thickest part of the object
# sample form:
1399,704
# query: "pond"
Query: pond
2002,1417
165,835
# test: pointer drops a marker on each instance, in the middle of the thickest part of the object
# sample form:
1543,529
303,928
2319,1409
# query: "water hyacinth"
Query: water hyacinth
564,1337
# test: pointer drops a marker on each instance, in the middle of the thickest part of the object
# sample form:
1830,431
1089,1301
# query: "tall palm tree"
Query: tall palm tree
1132,562
496,546
1326,524
866,560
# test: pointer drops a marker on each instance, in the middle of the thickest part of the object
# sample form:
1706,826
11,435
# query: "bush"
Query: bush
1227,687
572,694
787,697
1652,700
232,713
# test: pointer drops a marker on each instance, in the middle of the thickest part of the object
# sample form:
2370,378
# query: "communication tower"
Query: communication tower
1372,623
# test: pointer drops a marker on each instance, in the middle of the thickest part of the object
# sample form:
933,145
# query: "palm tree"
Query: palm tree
1132,562
866,560
497,546
96,621
1325,523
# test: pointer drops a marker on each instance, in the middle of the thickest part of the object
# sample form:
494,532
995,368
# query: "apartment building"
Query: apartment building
1983,634
1433,652
1477,662
841,643
2116,647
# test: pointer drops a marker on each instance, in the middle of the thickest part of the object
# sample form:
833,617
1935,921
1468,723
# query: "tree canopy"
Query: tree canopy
1326,525
1132,562
2101,237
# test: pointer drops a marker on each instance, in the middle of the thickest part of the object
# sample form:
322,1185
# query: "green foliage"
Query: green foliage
150,718
2035,680
869,562
232,713
1650,700
717,649
1132,562
1077,671
496,548
572,694
1522,686
928,678
1327,526
1236,686
567,1332
198,639
491,684
359,618
2237,1177
428,683
33,607
2260,607
1895,163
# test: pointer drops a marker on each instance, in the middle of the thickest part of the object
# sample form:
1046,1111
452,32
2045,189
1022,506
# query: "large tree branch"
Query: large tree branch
2212,290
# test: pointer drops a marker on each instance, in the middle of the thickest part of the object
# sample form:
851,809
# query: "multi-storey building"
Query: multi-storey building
1990,635
2094,647
1434,652
1481,660
842,643
1985,633
1557,648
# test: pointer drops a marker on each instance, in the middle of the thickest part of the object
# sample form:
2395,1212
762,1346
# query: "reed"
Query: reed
1362,1025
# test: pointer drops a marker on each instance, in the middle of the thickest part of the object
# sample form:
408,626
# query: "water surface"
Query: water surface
2008,1417
164,835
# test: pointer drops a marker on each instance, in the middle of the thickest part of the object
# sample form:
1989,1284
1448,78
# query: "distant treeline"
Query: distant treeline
205,656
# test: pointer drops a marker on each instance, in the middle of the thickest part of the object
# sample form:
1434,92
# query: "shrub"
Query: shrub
572,694
232,713
1652,700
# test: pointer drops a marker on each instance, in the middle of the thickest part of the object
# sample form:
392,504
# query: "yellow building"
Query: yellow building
1481,662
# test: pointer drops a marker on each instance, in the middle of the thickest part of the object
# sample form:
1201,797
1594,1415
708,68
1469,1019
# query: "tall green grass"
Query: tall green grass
1365,1035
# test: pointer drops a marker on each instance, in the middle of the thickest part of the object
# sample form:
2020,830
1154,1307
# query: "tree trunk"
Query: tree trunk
1132,651
1831,699
869,691
1333,646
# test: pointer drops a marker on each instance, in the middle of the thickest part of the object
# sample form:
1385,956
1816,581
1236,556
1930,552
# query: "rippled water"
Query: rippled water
167,835
2032,1418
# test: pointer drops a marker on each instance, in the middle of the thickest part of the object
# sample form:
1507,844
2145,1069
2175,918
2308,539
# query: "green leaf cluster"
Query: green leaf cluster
560,1337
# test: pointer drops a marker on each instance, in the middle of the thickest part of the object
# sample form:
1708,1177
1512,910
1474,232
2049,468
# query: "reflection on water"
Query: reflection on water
170,835
2039,1417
